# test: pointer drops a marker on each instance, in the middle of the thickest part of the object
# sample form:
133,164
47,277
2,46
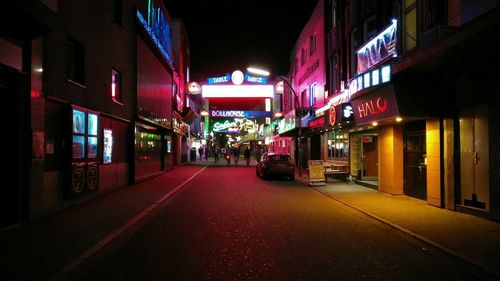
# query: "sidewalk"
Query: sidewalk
470,238
44,249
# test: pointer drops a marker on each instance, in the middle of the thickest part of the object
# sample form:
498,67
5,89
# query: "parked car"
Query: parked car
272,164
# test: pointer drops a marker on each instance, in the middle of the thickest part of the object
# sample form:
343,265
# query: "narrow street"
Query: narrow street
228,224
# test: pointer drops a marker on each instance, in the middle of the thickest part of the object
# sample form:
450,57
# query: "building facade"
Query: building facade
93,110
424,109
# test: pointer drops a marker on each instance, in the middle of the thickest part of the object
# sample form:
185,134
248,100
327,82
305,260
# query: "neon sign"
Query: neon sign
240,113
237,91
375,106
235,125
159,32
255,79
379,49
218,80
371,78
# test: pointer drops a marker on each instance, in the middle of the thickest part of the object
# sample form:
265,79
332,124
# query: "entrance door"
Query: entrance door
415,168
14,144
369,156
474,155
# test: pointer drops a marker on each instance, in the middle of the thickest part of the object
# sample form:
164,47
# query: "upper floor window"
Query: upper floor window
303,56
312,94
370,28
354,46
312,44
303,97
75,53
410,25
116,89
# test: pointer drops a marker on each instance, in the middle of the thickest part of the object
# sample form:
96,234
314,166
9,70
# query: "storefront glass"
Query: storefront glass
364,155
338,145
148,155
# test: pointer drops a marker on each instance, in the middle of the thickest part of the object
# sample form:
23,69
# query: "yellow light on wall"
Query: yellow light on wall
399,119
374,124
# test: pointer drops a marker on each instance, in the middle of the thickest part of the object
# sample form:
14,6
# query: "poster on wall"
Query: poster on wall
108,146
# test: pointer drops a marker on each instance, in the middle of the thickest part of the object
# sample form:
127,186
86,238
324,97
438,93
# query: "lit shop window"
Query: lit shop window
338,145
85,142
116,89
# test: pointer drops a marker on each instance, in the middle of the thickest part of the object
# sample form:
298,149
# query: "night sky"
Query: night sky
226,35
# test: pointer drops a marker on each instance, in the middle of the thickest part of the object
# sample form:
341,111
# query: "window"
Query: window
312,94
410,25
370,28
354,47
303,56
118,12
116,89
303,96
338,145
85,131
312,44
75,61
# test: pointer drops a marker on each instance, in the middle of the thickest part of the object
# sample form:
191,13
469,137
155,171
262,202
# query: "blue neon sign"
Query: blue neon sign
219,80
161,39
255,79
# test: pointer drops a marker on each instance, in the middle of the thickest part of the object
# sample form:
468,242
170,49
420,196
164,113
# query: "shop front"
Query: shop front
376,141
84,152
339,119
153,150
395,146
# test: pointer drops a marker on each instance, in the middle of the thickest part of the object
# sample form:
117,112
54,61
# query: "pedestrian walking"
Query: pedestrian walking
200,151
247,155
236,154
216,154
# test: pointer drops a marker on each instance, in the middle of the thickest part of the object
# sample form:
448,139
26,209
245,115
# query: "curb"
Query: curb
485,268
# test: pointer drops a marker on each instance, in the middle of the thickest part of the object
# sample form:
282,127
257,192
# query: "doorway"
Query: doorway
474,154
415,166
369,157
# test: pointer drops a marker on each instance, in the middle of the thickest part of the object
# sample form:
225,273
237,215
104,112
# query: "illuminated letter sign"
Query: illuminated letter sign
240,113
379,49
255,79
235,125
375,106
317,123
227,113
332,116
219,80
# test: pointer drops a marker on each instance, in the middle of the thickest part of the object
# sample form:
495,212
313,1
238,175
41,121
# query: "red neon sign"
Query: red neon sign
372,108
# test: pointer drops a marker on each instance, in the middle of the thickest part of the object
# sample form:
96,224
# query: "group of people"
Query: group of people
234,152
231,152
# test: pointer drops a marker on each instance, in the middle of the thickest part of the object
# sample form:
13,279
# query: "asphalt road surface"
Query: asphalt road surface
228,224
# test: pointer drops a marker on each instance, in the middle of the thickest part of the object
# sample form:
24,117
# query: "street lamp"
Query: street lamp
299,136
